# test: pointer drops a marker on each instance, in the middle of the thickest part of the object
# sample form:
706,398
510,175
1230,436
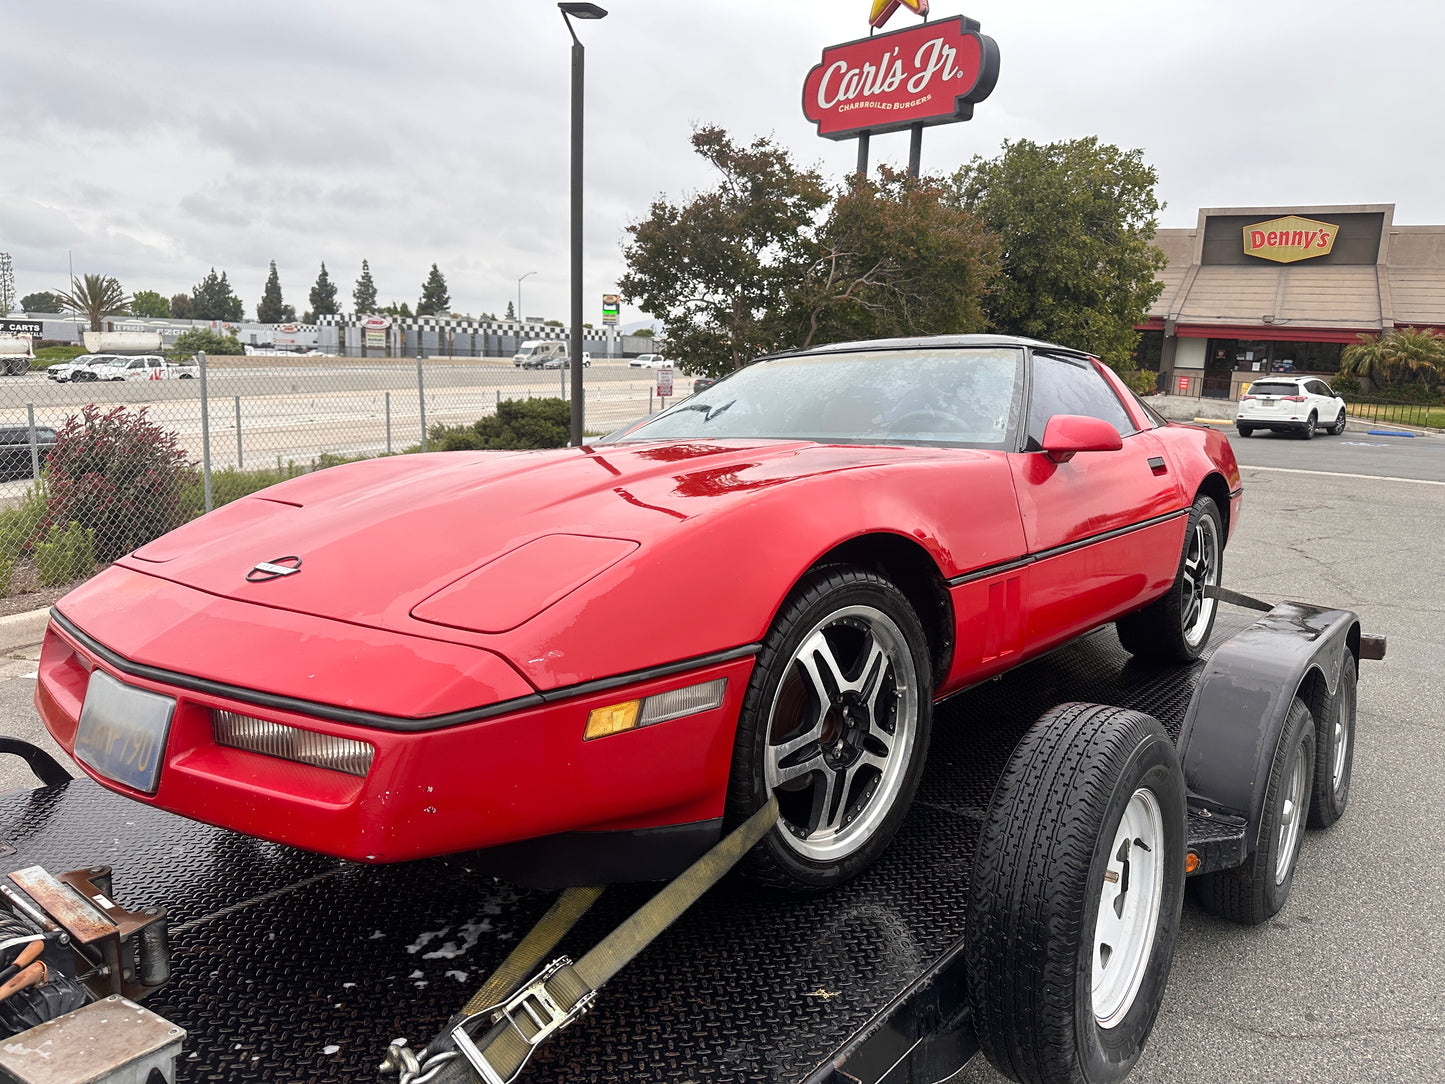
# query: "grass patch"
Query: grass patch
1417,414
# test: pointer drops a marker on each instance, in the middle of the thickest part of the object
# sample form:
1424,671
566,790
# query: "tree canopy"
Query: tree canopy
181,306
511,311
364,296
199,338
1401,356
271,309
323,294
213,299
95,297
42,301
150,304
435,300
1076,221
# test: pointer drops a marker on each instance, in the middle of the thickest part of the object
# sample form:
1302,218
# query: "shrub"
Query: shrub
1346,385
117,474
189,342
517,424
1140,381
66,555
18,529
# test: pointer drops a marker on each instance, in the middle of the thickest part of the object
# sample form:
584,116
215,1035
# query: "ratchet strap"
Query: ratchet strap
1234,598
492,1043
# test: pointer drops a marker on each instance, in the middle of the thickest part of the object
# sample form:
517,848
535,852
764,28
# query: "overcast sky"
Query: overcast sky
152,139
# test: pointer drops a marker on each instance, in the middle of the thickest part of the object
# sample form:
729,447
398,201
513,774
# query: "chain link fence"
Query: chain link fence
93,468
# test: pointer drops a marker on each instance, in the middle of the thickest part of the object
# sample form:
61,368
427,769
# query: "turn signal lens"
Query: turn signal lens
659,708
1191,862
291,743
611,720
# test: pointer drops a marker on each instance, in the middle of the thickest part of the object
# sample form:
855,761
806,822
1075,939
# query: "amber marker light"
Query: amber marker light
613,719
1191,862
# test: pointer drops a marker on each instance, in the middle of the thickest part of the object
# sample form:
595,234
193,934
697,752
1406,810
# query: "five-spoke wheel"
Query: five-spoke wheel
1176,627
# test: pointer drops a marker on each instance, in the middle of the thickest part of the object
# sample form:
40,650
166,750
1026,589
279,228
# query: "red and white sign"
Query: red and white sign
664,383
929,74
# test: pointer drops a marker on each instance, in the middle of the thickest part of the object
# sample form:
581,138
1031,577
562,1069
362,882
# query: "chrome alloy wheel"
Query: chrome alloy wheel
1129,904
1291,816
1201,570
841,730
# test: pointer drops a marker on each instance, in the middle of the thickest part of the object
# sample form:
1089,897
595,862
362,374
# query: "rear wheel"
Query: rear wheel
1075,896
835,722
1334,750
1245,430
1255,891
1308,432
1176,627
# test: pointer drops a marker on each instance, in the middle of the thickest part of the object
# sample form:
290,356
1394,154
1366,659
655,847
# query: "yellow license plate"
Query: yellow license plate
123,730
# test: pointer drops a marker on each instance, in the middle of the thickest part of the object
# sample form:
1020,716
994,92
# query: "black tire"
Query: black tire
1308,432
1176,626
866,728
1339,426
1334,749
1255,892
1055,854
1245,430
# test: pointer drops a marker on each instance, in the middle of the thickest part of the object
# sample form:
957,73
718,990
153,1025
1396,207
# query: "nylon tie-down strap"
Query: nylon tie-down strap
1234,598
541,939
508,1043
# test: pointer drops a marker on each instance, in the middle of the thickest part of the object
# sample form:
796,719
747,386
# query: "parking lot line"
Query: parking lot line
1341,474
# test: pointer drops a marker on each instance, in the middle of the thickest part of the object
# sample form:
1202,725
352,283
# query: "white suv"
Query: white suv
1297,404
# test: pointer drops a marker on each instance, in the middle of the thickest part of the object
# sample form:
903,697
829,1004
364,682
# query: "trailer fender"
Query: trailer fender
1237,715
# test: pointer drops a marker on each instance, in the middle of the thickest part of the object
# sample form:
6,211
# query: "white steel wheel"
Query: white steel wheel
841,731
1129,905
1292,814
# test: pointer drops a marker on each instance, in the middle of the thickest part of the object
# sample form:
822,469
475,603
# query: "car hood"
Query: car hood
478,541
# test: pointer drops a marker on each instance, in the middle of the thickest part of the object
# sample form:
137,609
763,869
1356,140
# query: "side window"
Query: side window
1071,386
140,364
1319,387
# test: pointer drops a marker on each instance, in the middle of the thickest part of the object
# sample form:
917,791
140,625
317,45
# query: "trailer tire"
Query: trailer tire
1255,891
1058,848
1334,749
1176,626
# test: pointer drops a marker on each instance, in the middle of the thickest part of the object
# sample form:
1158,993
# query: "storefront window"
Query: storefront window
1305,357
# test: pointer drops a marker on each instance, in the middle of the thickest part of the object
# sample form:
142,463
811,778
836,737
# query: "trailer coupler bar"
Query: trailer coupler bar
512,1029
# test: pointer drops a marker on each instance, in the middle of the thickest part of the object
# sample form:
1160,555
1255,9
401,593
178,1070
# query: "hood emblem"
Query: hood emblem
274,569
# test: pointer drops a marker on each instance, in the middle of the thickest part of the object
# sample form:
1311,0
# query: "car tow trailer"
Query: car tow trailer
285,965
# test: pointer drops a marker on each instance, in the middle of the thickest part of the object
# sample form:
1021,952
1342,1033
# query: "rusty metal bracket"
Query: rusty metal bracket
118,951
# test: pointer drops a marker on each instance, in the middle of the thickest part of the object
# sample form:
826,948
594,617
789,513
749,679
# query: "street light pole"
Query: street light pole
528,275
580,11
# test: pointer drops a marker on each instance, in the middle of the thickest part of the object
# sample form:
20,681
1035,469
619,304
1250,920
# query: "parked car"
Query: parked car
142,367
898,521
15,443
649,361
80,369
1291,404
564,362
702,383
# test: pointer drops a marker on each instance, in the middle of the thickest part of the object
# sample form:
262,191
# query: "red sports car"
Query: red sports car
586,662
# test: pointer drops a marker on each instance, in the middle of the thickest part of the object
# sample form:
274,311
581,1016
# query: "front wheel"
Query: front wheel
835,722
1075,897
1339,426
1176,627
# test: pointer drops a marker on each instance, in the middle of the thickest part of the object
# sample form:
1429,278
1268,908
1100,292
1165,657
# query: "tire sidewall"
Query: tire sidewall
1108,1054
1299,732
1328,802
828,596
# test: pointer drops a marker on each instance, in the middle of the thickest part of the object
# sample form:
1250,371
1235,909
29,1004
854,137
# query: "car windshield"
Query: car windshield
940,395
1260,388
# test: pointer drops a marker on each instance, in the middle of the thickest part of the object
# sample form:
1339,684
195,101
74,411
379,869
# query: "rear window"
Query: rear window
1278,388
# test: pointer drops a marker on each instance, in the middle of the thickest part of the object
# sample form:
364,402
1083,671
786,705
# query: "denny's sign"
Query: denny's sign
1287,240
930,74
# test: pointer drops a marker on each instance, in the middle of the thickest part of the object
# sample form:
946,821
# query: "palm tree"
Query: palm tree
97,296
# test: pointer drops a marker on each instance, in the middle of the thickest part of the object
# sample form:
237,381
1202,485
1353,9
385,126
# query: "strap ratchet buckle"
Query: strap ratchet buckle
532,1013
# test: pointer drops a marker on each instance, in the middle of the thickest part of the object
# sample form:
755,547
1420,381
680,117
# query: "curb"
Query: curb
23,630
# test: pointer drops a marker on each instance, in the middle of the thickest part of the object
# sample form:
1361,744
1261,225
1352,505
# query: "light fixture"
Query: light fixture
583,11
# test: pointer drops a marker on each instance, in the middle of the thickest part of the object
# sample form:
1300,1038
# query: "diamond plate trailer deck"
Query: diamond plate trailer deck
291,966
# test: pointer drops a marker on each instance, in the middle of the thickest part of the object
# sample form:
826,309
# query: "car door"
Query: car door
1104,529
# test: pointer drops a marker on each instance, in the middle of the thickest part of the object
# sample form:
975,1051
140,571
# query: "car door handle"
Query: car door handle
1157,465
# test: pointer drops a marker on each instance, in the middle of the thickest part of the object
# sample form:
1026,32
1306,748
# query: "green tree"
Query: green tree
511,311
151,304
718,271
364,296
271,309
644,333
95,297
896,256
188,343
323,294
1076,221
435,301
182,306
1401,356
397,310
213,299
43,301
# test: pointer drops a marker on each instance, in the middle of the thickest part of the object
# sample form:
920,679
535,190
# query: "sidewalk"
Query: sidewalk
22,630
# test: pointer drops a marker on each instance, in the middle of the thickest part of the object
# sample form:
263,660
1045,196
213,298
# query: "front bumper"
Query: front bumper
515,776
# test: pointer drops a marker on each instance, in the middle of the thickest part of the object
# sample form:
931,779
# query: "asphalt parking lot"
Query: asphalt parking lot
1345,985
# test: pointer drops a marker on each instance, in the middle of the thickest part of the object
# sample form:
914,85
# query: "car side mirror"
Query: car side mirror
1068,434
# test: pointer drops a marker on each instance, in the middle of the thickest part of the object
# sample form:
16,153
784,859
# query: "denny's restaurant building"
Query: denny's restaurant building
1252,290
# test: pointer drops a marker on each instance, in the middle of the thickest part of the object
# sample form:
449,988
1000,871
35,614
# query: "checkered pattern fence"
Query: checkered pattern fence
91,469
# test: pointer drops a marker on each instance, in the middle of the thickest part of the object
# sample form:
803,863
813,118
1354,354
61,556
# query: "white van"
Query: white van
535,352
